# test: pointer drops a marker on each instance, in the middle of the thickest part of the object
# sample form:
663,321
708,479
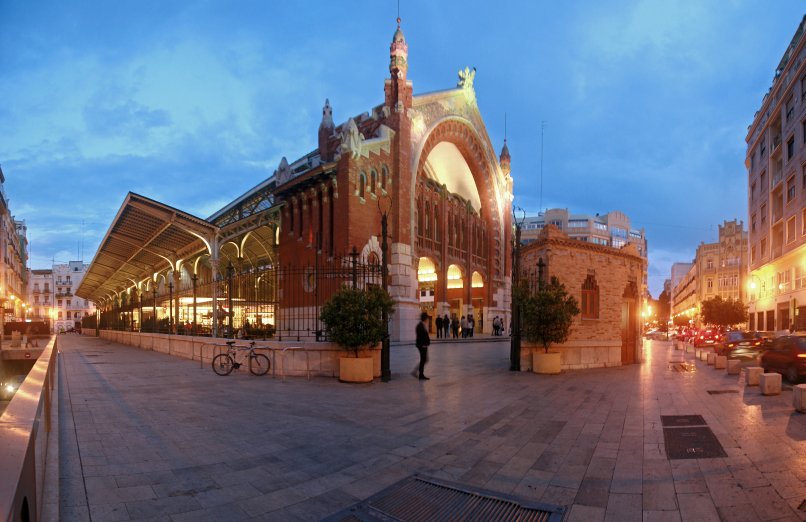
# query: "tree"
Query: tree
664,307
722,312
547,313
354,318
681,320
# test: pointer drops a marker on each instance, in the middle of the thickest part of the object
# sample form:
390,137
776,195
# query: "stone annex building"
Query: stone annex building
425,160
608,285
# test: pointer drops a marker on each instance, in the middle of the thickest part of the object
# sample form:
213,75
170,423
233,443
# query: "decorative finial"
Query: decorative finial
466,78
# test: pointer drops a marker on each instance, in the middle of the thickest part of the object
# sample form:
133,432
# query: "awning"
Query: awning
145,237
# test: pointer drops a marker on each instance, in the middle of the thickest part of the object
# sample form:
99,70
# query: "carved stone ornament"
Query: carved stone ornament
351,139
283,172
466,78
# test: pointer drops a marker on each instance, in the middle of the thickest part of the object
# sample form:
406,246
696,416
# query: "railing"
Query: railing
25,427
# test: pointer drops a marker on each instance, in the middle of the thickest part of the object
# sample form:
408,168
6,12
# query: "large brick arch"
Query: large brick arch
461,133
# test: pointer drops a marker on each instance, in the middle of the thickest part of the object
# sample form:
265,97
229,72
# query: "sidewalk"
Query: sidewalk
159,438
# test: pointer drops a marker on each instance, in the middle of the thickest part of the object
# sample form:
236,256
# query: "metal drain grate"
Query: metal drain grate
672,421
692,443
419,498
720,392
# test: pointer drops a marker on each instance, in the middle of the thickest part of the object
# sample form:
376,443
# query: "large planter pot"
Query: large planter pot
546,363
355,369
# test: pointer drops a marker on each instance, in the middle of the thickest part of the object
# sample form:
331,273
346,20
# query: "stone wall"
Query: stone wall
288,358
593,342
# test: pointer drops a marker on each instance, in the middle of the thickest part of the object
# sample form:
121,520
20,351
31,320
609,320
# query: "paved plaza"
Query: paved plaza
146,436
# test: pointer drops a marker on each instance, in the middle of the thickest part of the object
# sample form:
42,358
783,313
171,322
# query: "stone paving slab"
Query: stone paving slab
145,436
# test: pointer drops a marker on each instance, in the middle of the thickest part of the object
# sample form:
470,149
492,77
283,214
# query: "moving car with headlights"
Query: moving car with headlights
734,339
786,355
10,387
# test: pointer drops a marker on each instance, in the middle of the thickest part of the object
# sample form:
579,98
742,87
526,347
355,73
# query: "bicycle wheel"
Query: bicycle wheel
259,364
222,364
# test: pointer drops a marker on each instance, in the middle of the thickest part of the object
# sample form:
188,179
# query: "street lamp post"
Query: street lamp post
170,307
230,274
515,346
386,371
154,293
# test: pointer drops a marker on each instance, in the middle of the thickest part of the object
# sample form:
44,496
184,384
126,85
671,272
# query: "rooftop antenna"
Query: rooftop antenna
542,128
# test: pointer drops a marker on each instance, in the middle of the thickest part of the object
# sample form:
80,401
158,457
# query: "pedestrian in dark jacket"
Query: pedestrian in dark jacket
446,324
439,326
422,343
455,327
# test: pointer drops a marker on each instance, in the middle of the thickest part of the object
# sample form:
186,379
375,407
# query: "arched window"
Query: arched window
590,298
362,184
427,220
384,178
373,182
291,216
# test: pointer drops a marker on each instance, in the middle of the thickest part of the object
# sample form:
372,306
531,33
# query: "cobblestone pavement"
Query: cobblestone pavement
145,436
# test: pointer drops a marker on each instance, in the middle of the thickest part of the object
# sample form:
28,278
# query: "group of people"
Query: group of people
498,325
453,326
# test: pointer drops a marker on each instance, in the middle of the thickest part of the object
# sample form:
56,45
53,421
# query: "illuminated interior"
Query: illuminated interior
477,281
455,277
446,165
426,270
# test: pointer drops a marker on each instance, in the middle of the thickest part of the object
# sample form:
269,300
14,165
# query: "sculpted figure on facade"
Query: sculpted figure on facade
351,139
466,78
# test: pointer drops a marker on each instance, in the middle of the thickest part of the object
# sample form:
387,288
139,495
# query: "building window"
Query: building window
763,147
790,189
710,283
599,226
753,160
384,177
790,148
763,213
59,303
362,184
753,223
709,263
791,233
753,254
790,108
577,223
800,277
763,247
753,192
590,298
804,130
803,221
763,179
373,182
68,302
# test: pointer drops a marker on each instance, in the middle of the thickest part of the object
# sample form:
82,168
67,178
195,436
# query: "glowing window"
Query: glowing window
455,277
477,281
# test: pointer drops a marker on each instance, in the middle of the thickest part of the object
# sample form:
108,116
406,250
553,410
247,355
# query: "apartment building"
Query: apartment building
13,258
776,193
69,308
41,296
612,229
718,269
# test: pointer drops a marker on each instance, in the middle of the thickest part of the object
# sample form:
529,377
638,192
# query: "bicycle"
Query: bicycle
224,363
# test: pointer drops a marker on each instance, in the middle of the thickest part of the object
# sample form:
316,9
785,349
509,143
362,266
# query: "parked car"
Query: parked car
10,387
786,355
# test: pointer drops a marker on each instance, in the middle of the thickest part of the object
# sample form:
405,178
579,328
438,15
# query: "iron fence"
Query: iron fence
269,302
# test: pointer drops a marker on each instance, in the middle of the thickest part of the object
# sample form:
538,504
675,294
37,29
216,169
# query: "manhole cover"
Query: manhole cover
692,443
671,421
720,392
418,498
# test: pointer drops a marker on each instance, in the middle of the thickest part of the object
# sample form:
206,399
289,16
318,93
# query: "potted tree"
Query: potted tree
547,314
353,319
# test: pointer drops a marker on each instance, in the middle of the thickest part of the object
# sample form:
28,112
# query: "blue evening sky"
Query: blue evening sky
646,103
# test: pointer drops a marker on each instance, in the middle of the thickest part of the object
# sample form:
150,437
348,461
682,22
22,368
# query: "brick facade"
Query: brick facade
612,337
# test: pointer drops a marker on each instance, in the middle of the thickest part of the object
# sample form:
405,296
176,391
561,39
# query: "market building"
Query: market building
423,161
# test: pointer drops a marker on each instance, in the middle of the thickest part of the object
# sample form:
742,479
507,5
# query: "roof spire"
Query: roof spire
505,159
398,52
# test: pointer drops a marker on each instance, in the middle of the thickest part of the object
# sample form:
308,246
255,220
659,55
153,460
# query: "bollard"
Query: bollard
733,366
770,383
698,353
710,358
689,348
799,397
703,355
720,362
752,375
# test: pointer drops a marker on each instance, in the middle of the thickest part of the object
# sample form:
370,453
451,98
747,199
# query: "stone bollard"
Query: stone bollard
799,397
752,375
770,383
711,357
720,362
689,348
733,366
698,353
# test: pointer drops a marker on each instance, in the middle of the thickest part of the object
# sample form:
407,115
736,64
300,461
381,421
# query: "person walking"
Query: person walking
422,343
446,324
471,325
455,327
463,325
439,326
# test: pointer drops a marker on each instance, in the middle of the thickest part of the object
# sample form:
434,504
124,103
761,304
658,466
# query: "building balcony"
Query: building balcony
64,294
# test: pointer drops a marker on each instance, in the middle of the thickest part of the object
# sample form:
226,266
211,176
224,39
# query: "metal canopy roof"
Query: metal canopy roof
145,237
